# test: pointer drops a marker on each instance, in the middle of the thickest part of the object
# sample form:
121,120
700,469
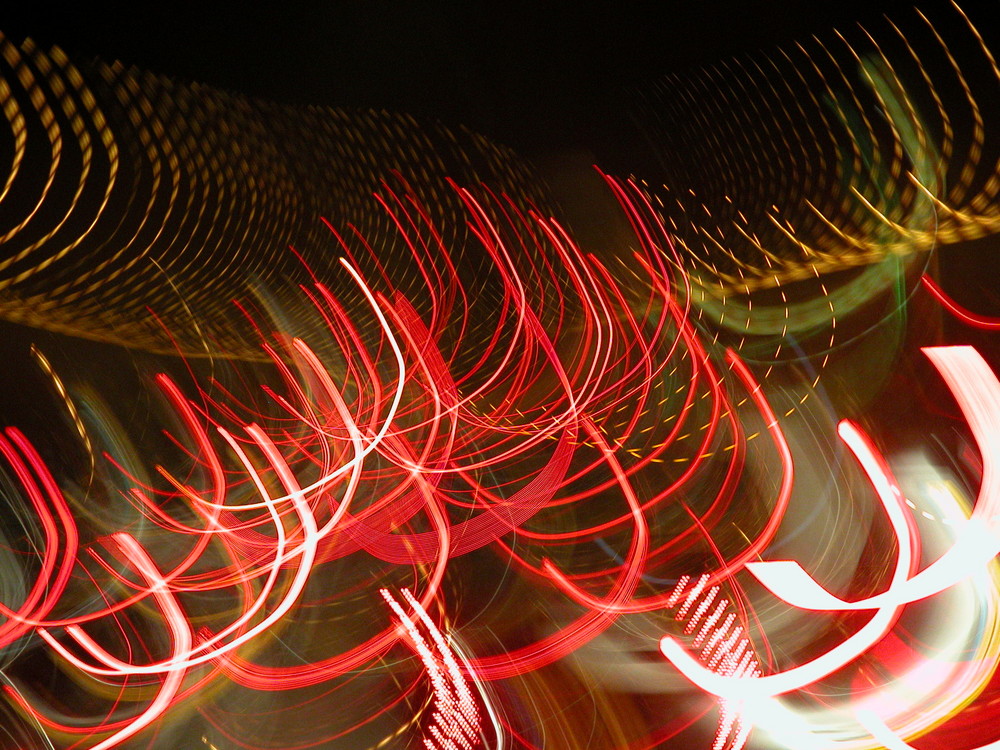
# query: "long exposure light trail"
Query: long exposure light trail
387,451
977,391
885,615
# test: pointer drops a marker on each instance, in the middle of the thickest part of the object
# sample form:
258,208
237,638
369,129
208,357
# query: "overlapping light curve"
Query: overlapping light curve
447,477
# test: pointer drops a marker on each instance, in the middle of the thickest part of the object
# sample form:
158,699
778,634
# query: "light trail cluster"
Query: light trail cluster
548,449
424,464
477,486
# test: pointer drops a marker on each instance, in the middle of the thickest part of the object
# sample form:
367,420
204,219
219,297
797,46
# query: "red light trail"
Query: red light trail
450,476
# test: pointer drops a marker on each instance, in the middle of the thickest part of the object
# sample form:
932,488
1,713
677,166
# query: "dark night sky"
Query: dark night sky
534,75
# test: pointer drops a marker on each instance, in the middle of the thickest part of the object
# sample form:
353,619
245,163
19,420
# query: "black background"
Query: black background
536,76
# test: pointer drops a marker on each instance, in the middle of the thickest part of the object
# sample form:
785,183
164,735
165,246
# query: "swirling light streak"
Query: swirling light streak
977,391
590,426
181,641
456,722
885,615
339,439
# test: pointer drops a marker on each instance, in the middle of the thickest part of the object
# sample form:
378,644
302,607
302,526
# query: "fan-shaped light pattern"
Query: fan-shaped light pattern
559,460
422,448
830,154
124,192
